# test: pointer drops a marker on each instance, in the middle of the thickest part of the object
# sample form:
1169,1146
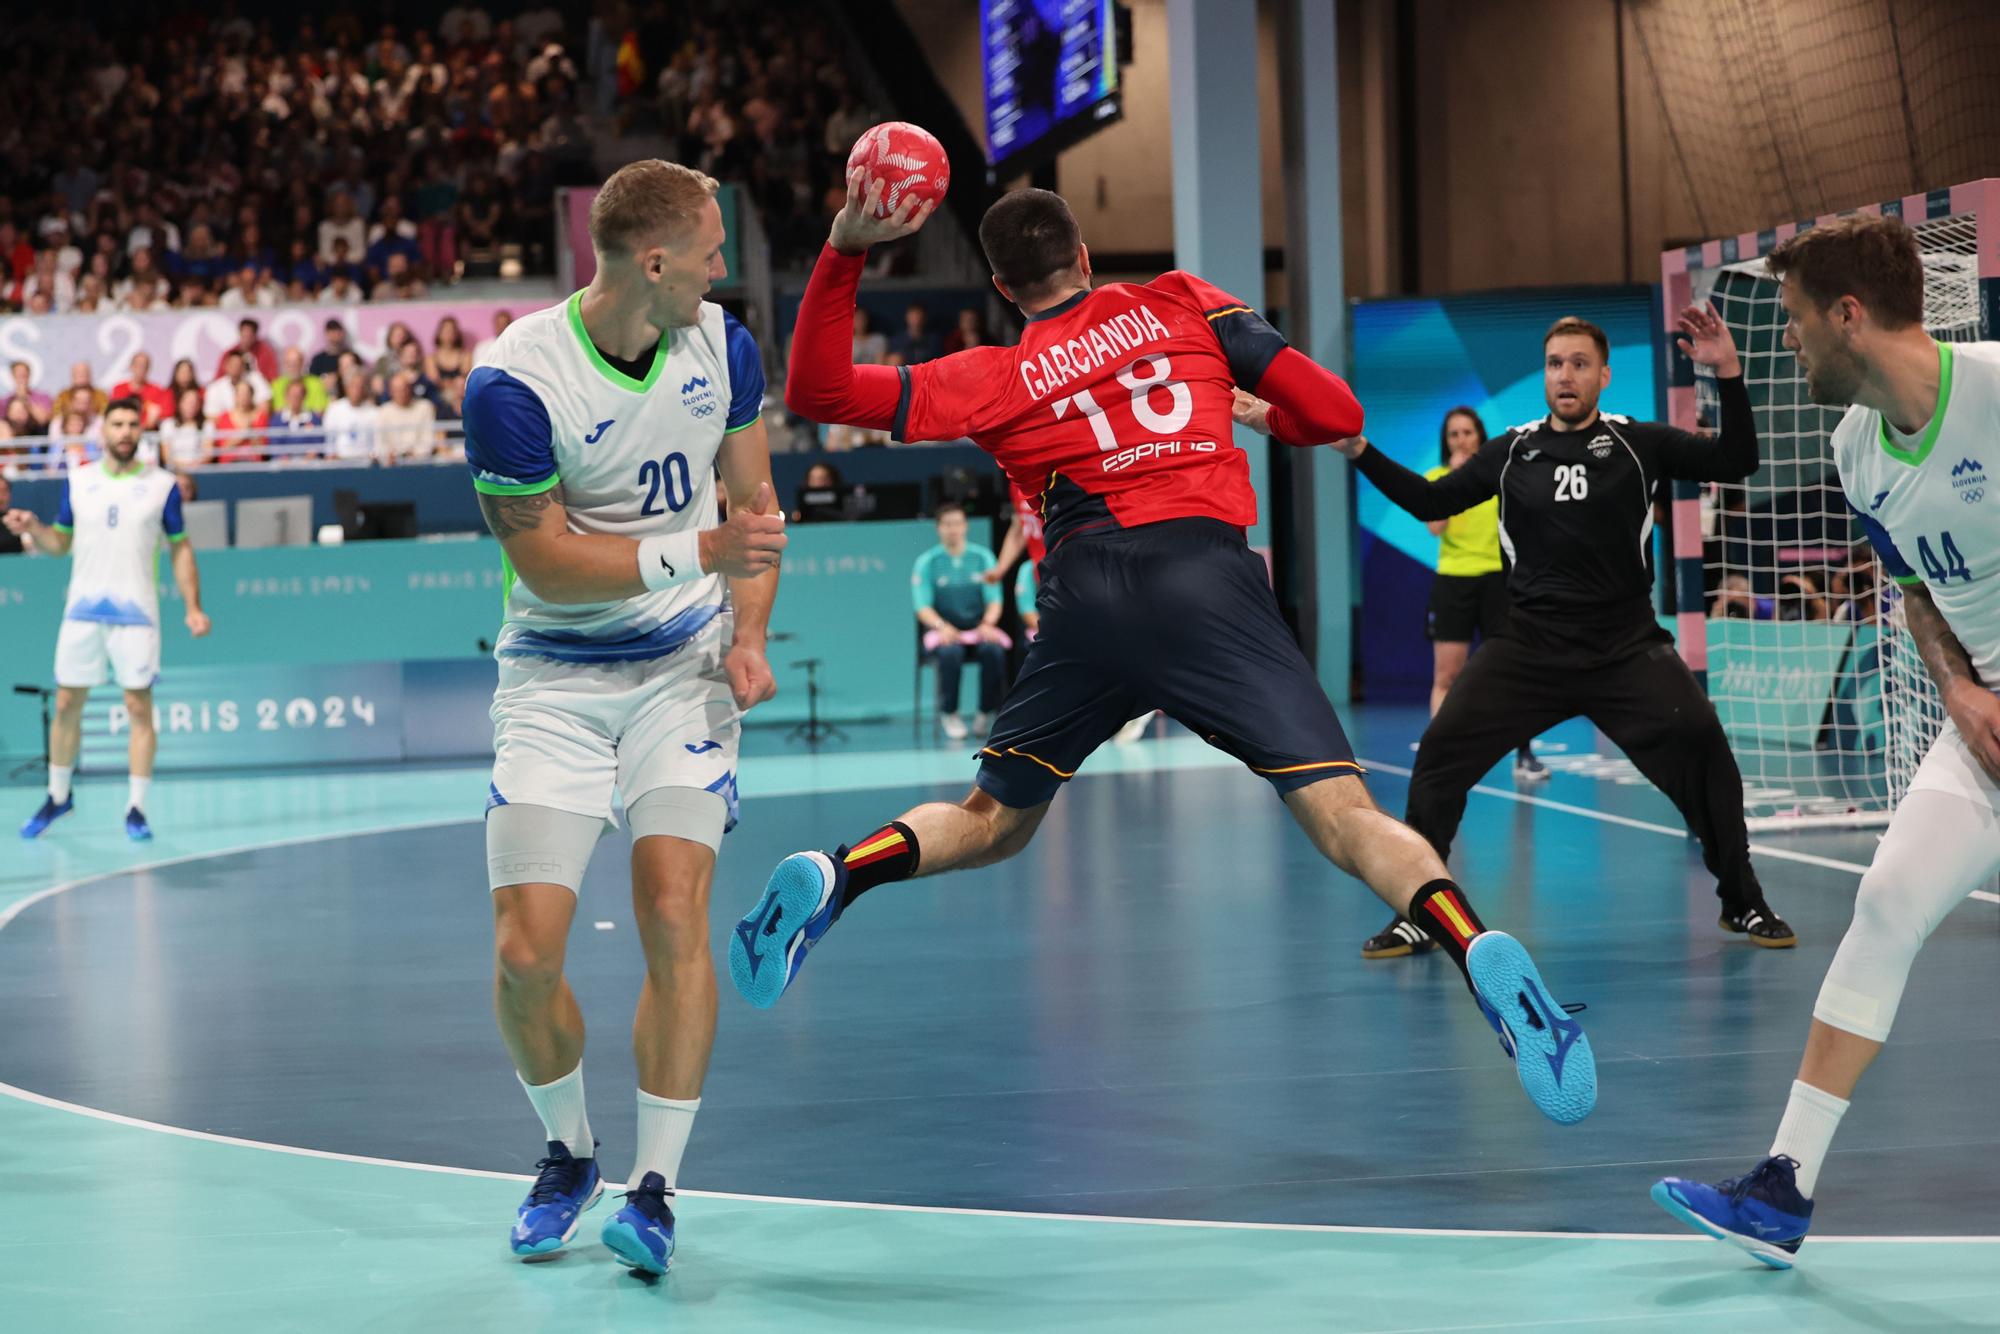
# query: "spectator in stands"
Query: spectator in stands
302,269
822,496
399,283
185,439
405,426
478,215
239,432
156,401
501,319
220,396
342,223
410,362
916,343
247,291
340,290
970,332
92,400
74,440
435,204
449,359
1800,598
18,423
465,25
40,405
350,421
257,351
391,234
182,380
391,359
294,365
50,284
295,428
1734,600
202,258
327,360
959,610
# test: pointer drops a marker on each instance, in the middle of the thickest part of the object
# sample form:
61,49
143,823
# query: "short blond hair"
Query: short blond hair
647,203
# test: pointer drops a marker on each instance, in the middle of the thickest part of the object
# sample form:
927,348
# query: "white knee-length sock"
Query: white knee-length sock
560,1105
1811,1117
664,1124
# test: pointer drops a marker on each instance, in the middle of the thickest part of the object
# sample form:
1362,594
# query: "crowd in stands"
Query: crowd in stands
259,404
208,160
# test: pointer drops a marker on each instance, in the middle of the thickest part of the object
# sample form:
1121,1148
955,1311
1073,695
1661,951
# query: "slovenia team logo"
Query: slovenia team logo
698,397
1601,447
1968,479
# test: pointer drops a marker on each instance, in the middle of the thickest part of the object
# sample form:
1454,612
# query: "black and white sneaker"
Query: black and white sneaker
1764,927
1397,939
1527,768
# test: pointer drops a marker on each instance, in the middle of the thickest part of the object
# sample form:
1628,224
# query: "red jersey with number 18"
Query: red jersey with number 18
1114,408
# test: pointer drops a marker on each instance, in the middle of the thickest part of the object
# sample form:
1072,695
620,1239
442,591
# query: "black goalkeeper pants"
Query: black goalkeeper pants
1635,689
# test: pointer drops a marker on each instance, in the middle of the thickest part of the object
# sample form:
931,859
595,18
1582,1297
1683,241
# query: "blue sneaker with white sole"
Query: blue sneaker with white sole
136,827
1760,1212
565,1186
642,1233
49,812
1550,1052
801,902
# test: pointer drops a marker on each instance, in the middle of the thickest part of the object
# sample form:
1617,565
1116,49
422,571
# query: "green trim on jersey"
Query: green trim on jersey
1908,580
746,425
574,308
484,487
177,537
507,580
1916,456
62,527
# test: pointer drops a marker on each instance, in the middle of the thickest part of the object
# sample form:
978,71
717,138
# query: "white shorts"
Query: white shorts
569,735
1948,766
88,653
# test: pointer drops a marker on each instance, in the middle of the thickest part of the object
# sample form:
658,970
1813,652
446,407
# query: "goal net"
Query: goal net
1818,684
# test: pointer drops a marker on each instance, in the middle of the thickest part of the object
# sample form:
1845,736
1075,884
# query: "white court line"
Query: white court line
1761,849
1336,1229
1233,1225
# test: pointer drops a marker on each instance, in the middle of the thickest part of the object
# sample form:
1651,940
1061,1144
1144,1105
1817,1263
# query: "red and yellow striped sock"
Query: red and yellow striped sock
1441,910
888,854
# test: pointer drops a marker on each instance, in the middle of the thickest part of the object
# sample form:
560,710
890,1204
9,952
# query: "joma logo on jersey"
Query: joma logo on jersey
698,397
1968,479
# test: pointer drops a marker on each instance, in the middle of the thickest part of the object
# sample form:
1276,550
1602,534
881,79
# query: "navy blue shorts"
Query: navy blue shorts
1176,616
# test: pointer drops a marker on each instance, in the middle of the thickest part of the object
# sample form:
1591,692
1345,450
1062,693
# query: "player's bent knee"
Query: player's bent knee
527,955
1009,828
1864,985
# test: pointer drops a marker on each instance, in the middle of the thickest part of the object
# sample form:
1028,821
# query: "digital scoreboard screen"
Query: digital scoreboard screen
1051,77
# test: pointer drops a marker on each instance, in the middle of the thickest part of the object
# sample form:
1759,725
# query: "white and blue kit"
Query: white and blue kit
111,618
627,696
1931,508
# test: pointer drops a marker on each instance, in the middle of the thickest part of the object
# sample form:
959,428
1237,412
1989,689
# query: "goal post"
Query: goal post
1780,602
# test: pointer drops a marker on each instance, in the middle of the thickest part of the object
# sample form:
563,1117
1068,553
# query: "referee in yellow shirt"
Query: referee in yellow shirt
1470,593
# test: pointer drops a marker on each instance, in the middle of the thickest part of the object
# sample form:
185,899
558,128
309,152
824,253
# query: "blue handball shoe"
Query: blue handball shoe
801,901
642,1233
1761,1211
136,827
1550,1052
564,1187
49,813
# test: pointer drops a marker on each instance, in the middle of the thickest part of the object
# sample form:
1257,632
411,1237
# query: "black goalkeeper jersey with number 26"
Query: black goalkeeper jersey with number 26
1576,507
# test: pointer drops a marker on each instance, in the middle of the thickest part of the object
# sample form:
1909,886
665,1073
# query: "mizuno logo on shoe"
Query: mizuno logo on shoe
1568,1032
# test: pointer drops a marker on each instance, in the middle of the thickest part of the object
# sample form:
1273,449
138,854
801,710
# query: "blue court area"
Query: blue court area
1137,1078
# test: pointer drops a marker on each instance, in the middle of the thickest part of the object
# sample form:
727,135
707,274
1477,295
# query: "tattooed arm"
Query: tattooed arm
559,565
1974,709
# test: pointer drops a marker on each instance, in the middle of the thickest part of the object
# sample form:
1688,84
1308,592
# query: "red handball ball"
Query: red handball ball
907,159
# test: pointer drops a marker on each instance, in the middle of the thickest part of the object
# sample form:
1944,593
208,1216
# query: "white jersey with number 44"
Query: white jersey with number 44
1931,502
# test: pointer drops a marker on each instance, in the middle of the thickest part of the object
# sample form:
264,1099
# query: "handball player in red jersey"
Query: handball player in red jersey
1115,411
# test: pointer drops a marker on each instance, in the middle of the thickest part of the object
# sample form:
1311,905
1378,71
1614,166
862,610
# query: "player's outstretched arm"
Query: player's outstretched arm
1431,501
1732,453
823,384
48,540
1307,404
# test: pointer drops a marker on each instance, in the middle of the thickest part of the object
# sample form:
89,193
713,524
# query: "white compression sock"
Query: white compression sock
560,1105
59,776
664,1124
139,788
1811,1117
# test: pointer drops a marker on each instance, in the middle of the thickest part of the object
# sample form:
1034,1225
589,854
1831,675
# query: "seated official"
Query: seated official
959,611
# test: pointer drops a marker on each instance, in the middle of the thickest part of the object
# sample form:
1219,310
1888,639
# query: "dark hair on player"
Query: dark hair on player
1444,431
129,403
1029,237
1576,324
950,507
1873,260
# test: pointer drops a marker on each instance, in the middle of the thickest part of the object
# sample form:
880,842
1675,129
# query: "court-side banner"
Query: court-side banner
269,714
1772,680
51,344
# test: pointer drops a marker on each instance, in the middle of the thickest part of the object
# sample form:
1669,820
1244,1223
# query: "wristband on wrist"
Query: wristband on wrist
667,559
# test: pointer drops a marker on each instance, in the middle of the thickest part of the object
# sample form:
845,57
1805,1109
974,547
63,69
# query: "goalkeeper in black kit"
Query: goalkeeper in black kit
1576,493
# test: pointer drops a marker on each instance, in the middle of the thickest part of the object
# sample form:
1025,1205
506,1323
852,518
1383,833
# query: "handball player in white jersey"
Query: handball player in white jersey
1915,452
115,513
633,644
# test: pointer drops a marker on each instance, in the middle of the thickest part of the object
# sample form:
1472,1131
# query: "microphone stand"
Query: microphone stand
42,761
814,729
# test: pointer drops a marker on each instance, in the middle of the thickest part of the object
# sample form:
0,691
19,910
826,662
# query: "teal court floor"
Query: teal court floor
1137,1078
